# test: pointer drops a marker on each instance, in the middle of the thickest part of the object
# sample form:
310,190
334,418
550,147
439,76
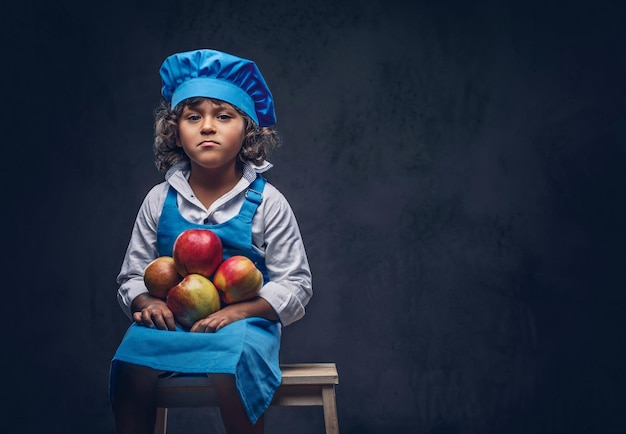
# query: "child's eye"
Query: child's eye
224,116
193,117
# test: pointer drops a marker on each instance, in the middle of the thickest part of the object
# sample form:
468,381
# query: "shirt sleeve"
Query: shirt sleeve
290,286
142,249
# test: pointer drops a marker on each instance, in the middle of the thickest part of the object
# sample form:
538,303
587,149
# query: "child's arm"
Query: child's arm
141,250
257,307
290,285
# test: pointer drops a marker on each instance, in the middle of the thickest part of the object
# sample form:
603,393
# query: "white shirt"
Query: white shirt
275,235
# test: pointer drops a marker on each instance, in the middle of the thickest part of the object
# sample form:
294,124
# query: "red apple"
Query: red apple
238,279
160,275
194,298
197,251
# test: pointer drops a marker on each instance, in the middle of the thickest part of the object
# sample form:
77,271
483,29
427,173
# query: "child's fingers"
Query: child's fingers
209,324
143,318
170,322
203,326
159,322
222,323
161,319
137,318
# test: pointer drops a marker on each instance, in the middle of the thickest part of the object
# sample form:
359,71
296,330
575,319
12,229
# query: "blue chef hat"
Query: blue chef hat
213,74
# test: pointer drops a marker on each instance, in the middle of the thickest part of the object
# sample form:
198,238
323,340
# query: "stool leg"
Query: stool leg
330,410
160,426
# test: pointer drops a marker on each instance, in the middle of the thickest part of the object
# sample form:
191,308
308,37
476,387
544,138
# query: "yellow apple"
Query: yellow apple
194,298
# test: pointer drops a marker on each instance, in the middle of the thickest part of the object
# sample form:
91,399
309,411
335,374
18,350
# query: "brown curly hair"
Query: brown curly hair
257,142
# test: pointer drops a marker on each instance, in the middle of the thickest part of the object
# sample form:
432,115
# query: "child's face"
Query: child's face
211,134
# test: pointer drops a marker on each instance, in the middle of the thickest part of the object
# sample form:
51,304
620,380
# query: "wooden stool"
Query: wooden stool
310,384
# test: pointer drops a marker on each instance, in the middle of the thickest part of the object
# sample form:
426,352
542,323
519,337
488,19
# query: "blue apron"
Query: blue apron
248,349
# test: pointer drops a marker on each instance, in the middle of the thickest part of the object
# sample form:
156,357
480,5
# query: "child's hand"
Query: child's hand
219,319
150,311
257,307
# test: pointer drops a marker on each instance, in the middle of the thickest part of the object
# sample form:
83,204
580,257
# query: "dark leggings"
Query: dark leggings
133,391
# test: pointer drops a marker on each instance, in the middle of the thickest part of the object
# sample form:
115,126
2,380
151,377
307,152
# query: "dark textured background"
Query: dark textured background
457,169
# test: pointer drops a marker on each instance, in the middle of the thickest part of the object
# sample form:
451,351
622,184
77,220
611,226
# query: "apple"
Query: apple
238,279
160,275
194,298
197,251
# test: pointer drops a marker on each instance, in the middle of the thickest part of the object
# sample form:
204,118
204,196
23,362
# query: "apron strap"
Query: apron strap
253,197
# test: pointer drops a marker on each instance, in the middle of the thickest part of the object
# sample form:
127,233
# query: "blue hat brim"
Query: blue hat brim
218,89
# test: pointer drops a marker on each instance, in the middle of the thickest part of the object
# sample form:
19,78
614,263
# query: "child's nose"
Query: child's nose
208,124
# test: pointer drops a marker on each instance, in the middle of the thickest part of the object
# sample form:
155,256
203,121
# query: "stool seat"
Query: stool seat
303,384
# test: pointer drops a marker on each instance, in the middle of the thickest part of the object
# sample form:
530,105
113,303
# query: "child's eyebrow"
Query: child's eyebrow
224,106
218,105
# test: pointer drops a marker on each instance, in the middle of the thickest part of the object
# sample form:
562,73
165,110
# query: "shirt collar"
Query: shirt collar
180,172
